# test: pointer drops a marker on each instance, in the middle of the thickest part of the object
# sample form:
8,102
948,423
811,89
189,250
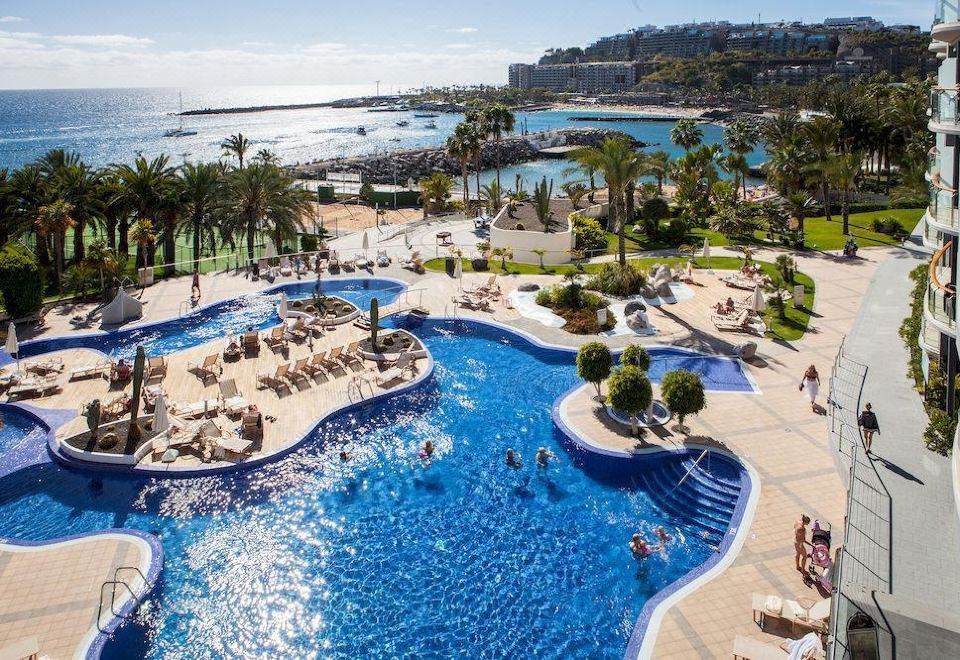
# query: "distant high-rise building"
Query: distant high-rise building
679,42
579,77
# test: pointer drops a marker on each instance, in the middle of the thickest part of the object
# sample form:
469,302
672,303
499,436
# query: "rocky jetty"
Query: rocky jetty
421,163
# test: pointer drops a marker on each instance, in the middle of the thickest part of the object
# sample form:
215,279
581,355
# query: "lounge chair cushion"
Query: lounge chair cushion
774,605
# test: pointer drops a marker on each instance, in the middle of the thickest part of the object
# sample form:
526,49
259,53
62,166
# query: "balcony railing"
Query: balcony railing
941,294
946,12
933,164
943,106
943,206
931,234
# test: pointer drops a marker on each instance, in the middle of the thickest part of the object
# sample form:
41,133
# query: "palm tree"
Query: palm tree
267,156
740,137
799,204
493,196
501,120
657,165
843,171
201,193
264,197
789,161
575,191
461,145
687,134
236,145
478,120
821,135
54,219
781,130
101,257
435,190
620,166
736,164
81,186
142,234
150,189
29,191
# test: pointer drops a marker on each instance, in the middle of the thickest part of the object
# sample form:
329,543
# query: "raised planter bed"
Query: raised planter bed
123,452
391,344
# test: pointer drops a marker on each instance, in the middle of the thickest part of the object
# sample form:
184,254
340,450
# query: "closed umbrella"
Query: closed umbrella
161,418
271,250
282,310
13,346
757,302
458,272
706,253
366,244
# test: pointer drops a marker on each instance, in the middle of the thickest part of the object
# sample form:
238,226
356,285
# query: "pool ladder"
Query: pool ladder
117,582
704,453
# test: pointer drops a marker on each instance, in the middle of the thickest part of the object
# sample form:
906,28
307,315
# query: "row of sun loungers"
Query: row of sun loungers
339,358
741,321
798,618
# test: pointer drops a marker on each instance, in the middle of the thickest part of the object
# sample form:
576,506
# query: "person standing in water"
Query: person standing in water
811,383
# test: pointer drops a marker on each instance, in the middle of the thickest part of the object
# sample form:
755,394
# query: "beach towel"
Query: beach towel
804,648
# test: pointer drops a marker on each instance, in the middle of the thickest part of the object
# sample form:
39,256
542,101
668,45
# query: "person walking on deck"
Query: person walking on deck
811,383
867,421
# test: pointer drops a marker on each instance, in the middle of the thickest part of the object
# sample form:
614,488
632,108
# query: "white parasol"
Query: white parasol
458,273
757,302
271,250
706,253
13,346
282,310
161,418
366,244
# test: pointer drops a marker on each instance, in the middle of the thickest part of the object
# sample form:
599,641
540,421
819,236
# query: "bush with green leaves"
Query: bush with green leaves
683,393
787,267
570,296
887,225
308,243
676,231
939,433
630,392
637,356
653,211
594,362
588,232
366,191
617,279
21,280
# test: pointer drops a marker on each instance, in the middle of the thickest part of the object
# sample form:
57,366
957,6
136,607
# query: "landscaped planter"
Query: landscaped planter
75,446
390,345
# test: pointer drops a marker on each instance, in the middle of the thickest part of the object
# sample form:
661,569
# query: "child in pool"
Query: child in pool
513,459
639,547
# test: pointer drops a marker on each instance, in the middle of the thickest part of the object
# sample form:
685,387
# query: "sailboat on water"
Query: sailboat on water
180,131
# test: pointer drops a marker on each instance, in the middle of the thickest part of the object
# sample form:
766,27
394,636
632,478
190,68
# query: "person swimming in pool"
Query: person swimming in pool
544,456
345,456
426,451
639,547
513,459
662,535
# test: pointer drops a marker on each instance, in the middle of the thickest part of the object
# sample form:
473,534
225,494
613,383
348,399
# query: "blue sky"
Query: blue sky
104,43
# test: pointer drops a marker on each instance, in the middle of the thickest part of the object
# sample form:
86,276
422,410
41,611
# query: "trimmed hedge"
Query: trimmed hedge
21,280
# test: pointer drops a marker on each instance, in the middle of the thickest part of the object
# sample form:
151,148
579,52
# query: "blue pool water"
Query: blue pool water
385,556
220,319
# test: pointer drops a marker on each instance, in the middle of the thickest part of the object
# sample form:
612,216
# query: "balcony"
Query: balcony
944,117
946,22
940,306
942,211
933,165
932,236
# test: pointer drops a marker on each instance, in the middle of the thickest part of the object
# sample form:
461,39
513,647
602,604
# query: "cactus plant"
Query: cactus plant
92,413
374,323
541,202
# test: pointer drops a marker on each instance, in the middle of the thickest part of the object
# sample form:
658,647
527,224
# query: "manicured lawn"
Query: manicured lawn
819,234
790,328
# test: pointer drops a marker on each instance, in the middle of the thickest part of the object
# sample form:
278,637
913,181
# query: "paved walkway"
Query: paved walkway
925,531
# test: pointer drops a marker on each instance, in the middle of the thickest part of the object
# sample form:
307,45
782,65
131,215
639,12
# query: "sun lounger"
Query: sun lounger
349,355
472,302
150,394
739,322
315,365
231,400
383,260
297,371
27,648
209,367
360,261
47,365
814,618
285,268
196,409
252,425
115,408
99,368
34,386
748,648
297,330
250,342
156,368
332,361
232,347
276,338
738,281
412,262
273,380
233,444
403,364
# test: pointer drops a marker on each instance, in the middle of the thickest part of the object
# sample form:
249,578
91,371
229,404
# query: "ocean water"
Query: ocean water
114,125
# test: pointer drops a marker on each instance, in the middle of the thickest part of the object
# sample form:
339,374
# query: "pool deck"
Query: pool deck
51,592
776,433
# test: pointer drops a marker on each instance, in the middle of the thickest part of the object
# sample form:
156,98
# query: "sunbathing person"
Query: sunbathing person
729,305
122,371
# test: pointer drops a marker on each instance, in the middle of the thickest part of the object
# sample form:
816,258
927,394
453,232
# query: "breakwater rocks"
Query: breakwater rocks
417,164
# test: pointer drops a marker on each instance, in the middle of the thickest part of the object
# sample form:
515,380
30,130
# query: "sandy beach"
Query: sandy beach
646,110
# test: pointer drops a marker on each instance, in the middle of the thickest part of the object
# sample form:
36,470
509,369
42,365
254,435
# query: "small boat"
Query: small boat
425,115
180,131
361,130
430,124
403,122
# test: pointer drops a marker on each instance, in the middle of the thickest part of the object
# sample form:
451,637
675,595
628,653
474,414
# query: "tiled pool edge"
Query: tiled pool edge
645,630
94,641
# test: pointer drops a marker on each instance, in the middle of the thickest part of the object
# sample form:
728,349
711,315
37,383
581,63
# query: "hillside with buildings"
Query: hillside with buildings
738,54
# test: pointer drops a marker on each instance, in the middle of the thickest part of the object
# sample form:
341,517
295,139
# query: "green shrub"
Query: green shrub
616,279
592,301
366,191
637,356
630,392
682,391
675,231
912,326
545,297
653,211
938,435
594,363
308,243
21,280
589,234
887,225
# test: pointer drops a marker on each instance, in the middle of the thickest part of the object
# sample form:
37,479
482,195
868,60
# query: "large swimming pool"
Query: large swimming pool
385,555
220,319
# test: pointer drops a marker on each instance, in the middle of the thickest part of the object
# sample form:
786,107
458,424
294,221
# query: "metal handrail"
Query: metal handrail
937,257
705,452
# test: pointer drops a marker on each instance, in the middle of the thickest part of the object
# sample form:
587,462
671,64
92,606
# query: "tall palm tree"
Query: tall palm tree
267,156
798,204
236,145
657,165
30,191
143,235
620,166
54,219
844,172
687,134
479,121
263,197
461,145
781,130
81,186
788,164
501,120
101,257
740,137
821,134
150,190
201,193
736,164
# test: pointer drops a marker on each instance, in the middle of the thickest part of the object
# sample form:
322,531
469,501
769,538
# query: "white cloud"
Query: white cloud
459,46
257,44
463,30
11,19
102,40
